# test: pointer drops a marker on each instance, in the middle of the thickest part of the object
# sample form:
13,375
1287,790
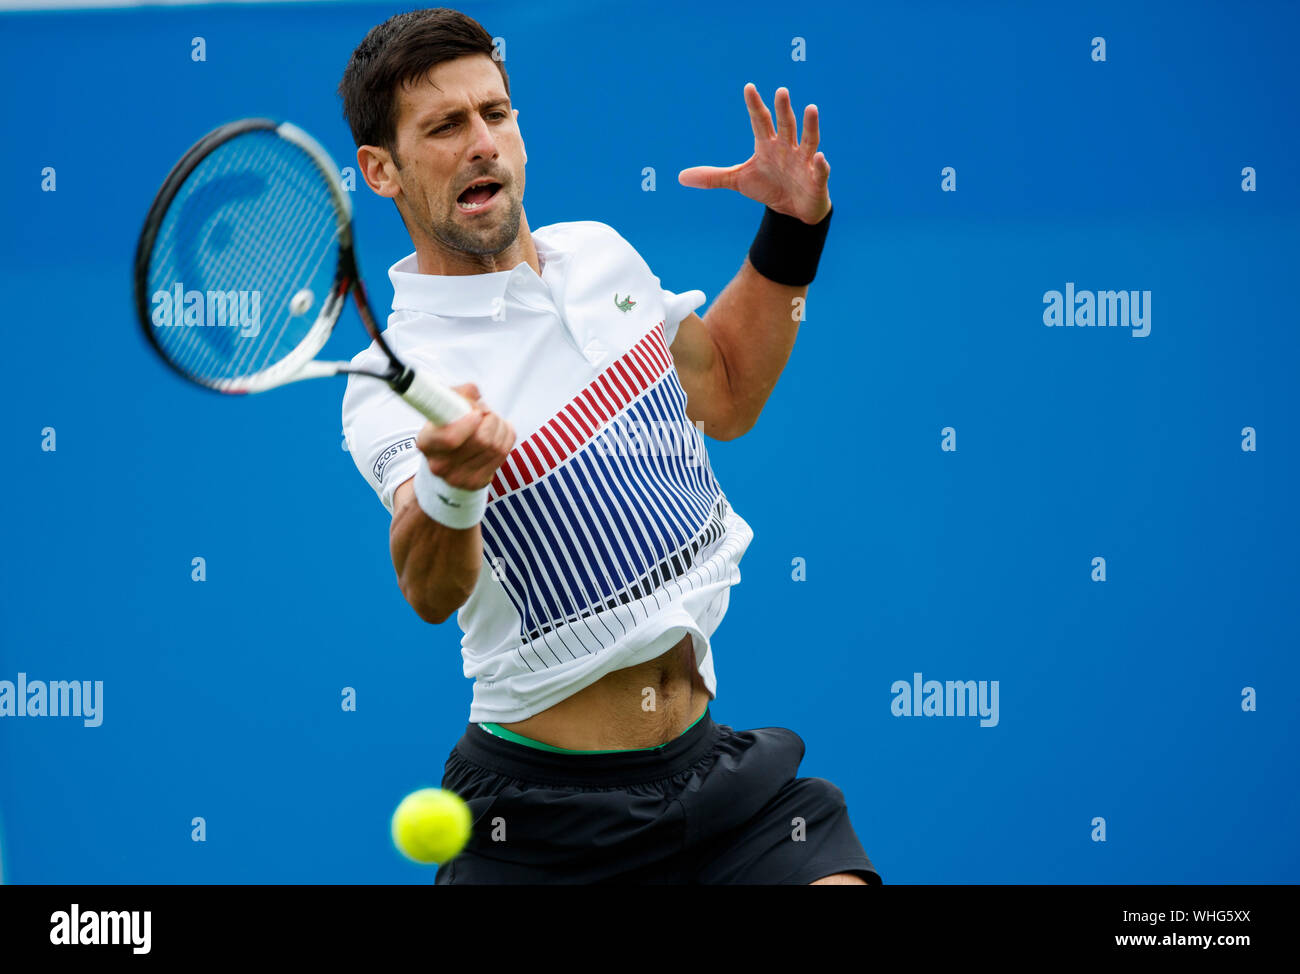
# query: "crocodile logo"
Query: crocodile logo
626,305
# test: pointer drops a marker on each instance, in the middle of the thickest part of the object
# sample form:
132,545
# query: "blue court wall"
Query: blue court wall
1160,700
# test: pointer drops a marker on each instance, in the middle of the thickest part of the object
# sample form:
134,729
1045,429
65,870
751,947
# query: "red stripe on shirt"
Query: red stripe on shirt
578,420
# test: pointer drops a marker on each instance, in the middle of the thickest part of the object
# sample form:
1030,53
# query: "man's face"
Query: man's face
461,157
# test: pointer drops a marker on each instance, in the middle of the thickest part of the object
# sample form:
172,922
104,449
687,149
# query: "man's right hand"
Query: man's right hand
466,453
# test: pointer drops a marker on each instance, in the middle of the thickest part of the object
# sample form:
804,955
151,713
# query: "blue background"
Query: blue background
1119,699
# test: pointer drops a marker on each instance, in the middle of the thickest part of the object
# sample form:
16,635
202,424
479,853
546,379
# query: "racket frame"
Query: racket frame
301,362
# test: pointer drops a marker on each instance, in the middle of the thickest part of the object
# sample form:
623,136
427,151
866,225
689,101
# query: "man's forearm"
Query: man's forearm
437,566
751,327
753,324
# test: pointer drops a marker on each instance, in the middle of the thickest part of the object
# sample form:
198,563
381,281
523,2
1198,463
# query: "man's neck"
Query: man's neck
432,258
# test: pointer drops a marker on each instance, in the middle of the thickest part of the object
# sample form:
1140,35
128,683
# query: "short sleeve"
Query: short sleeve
676,308
380,429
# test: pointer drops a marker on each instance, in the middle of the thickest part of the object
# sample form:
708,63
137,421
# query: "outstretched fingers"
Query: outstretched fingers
811,131
822,166
788,128
759,117
709,177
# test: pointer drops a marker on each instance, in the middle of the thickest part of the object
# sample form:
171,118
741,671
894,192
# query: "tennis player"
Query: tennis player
572,519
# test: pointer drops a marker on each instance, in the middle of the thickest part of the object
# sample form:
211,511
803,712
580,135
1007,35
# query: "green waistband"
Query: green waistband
498,731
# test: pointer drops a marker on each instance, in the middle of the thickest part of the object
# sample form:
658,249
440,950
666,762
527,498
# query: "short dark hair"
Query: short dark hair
403,49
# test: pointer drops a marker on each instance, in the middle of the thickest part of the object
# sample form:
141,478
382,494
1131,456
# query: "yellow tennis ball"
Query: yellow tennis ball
431,825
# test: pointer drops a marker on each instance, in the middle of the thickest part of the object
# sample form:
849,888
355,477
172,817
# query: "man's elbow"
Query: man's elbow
433,608
433,615
743,425
733,425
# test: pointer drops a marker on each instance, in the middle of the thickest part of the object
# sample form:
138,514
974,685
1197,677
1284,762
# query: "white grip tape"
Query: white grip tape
453,506
436,401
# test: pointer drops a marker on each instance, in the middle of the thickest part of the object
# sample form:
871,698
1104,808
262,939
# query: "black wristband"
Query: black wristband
786,250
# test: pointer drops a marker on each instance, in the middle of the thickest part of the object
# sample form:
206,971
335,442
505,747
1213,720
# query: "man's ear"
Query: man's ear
521,134
378,170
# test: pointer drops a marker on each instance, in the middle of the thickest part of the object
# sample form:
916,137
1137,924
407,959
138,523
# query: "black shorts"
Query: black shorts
715,805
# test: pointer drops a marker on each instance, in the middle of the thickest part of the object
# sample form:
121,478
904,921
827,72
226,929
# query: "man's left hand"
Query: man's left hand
784,174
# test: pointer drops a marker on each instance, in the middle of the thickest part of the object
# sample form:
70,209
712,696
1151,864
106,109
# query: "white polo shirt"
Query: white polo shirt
606,538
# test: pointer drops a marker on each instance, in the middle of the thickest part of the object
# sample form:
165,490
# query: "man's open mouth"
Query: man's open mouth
477,196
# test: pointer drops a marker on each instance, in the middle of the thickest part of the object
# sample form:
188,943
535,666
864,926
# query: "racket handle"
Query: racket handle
436,401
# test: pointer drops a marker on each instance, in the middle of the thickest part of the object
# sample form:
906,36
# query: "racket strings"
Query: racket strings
261,241
250,253
251,227
309,224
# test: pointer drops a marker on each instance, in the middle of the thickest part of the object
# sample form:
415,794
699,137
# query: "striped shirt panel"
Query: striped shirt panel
609,504
577,422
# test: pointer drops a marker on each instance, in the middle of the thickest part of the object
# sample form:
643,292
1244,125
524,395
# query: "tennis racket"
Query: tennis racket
246,260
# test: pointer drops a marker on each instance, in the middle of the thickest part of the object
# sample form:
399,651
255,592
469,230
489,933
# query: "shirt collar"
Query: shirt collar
465,295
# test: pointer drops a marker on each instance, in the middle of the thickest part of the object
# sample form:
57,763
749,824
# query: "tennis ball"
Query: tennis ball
301,302
431,825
